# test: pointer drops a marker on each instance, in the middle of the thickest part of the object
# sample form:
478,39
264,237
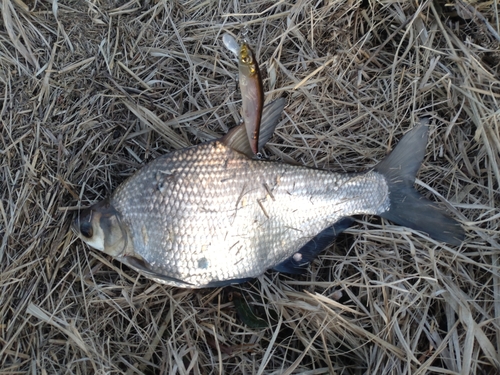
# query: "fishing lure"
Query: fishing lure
252,93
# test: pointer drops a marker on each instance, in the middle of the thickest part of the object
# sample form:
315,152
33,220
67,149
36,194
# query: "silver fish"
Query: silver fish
212,214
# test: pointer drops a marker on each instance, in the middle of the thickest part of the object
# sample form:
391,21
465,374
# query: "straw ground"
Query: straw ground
92,90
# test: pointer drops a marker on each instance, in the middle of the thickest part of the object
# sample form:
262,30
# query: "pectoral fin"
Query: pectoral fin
223,283
141,266
237,137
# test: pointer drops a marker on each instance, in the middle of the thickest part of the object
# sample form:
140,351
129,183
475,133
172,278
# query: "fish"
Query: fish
252,92
214,214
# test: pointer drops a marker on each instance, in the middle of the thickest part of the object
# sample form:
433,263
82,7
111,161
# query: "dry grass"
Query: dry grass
92,90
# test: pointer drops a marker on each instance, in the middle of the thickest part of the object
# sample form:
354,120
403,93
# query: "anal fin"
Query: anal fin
299,262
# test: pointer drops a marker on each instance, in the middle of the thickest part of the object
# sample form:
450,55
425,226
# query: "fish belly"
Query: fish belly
208,213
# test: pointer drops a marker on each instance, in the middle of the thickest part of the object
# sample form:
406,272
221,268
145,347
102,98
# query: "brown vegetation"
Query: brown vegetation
92,90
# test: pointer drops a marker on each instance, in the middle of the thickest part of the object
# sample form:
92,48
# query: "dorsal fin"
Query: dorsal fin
237,137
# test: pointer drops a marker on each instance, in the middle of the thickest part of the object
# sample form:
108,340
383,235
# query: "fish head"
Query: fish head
101,227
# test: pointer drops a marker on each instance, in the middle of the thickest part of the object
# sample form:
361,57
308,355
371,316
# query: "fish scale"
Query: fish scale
212,214
208,213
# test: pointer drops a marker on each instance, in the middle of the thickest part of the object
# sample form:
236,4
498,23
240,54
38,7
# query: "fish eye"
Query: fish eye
86,229
247,59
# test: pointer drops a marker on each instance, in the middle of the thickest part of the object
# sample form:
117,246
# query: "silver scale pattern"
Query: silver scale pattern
209,213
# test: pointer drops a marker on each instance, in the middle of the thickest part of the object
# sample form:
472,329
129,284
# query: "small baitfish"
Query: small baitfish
212,214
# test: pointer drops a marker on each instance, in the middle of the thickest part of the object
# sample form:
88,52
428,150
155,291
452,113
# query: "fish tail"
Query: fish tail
407,206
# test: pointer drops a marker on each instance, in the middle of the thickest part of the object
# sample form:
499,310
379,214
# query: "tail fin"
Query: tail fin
407,206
